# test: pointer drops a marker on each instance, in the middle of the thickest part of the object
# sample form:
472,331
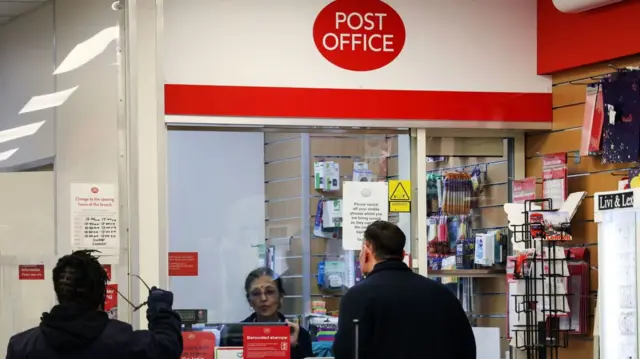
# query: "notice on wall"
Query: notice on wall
94,217
266,342
111,301
183,264
362,204
199,345
31,272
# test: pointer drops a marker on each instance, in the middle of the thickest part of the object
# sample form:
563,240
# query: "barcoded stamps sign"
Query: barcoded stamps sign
362,204
94,217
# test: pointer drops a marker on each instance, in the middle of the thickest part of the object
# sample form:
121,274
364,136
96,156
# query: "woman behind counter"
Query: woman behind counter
265,294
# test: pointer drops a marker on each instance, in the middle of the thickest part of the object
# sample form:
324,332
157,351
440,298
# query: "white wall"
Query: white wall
26,64
216,208
82,132
453,45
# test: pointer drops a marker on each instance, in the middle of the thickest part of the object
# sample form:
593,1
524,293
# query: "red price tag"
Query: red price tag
266,342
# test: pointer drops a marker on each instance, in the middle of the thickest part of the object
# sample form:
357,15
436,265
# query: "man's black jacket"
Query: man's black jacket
402,315
68,332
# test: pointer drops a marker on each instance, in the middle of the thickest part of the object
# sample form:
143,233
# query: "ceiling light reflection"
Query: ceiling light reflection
18,132
37,103
6,154
88,50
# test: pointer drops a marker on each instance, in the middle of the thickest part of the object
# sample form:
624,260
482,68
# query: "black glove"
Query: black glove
159,298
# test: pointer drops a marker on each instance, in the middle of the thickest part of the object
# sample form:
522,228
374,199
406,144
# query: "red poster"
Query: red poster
524,189
31,272
183,264
107,268
111,301
198,345
266,342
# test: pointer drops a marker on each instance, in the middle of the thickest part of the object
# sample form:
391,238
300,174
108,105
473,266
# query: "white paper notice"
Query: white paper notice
362,204
94,217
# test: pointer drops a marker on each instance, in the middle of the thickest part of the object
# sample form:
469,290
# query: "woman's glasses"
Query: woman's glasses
135,307
267,292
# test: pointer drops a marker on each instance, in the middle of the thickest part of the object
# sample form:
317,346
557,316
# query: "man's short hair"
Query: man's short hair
387,240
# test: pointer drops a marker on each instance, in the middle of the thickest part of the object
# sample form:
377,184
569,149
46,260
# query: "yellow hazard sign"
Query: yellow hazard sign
399,190
400,206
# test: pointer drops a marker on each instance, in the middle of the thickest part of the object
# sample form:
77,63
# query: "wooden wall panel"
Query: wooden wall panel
463,147
585,173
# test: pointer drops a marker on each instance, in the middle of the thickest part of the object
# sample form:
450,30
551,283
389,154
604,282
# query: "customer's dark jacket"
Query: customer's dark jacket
68,332
402,315
300,351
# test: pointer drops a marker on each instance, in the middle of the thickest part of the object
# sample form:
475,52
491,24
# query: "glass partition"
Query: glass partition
240,200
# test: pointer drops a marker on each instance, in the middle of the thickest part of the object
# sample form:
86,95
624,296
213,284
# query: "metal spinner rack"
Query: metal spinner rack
541,336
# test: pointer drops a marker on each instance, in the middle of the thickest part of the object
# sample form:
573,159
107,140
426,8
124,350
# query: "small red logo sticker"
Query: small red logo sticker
95,190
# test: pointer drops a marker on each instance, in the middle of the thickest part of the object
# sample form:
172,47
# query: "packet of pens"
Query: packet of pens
444,233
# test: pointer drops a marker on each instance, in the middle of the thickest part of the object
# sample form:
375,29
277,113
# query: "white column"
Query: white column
421,199
147,146
404,172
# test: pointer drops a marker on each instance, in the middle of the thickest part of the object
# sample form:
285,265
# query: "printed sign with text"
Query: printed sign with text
31,272
198,345
359,35
111,301
183,264
266,342
94,217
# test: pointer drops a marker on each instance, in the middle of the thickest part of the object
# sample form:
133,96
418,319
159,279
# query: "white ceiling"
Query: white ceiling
12,8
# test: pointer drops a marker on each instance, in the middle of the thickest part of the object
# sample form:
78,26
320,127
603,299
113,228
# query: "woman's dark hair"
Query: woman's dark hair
79,279
259,272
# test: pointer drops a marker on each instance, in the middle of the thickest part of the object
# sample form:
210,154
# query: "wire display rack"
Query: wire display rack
542,272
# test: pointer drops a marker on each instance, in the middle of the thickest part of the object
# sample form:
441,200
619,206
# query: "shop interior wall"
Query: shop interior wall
491,156
292,201
585,173
81,136
216,208
26,64
286,192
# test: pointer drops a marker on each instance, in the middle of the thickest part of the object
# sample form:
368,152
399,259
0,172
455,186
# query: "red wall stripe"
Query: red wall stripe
571,40
356,104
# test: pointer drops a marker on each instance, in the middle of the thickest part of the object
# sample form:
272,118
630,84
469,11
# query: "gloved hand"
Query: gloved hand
159,298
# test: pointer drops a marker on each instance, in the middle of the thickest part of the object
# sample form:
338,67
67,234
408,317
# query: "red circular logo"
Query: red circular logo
359,35
95,190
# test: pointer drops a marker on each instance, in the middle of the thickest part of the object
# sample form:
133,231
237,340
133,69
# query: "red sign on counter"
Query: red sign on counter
31,272
198,345
183,264
266,342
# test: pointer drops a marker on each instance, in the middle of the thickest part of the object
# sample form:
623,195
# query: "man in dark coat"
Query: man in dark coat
79,328
399,314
